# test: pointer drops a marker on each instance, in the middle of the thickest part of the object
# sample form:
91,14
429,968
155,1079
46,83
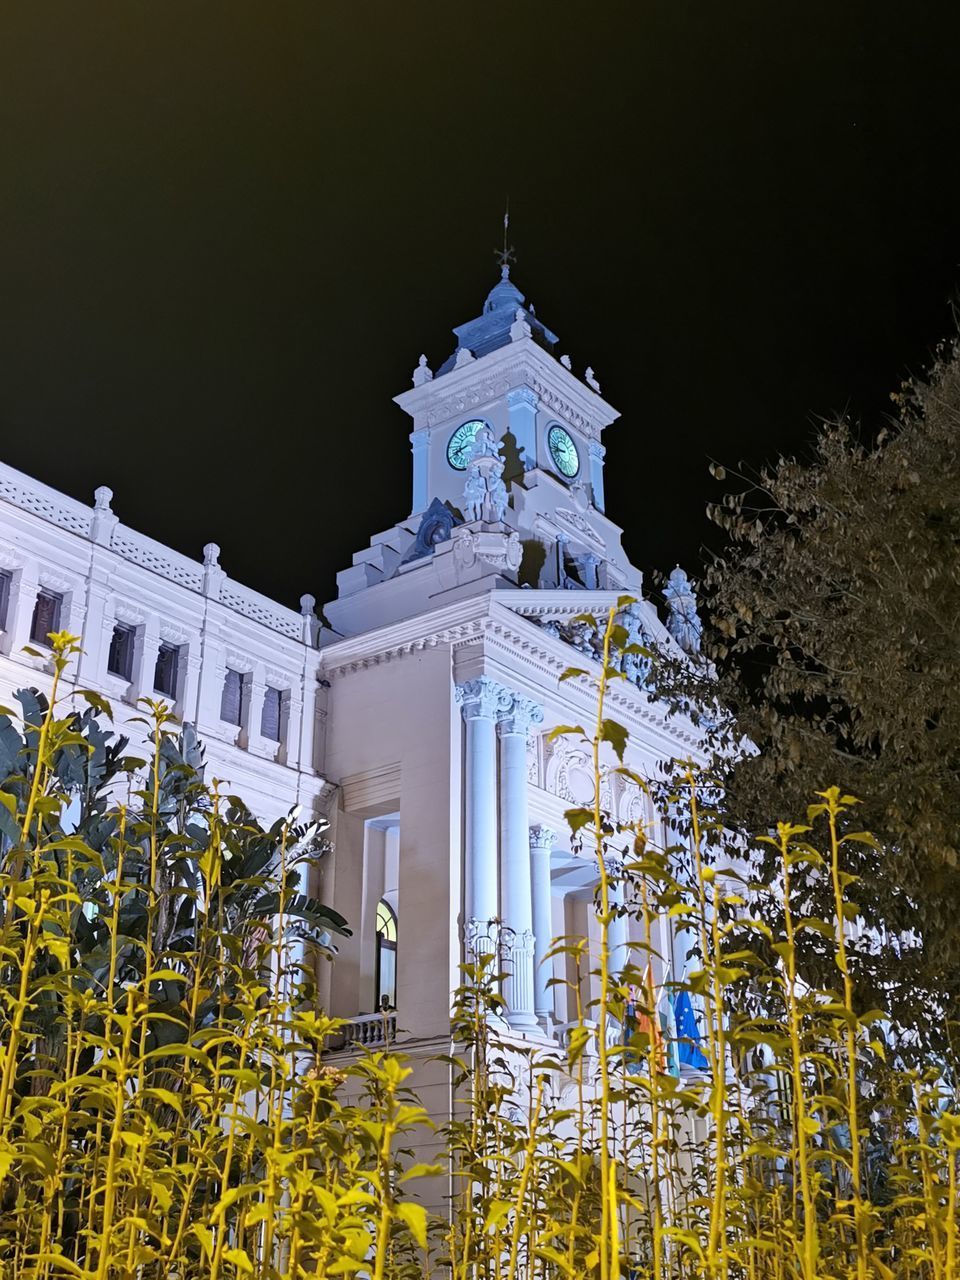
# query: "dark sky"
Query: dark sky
227,230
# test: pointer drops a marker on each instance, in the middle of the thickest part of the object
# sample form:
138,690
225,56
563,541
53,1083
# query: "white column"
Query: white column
480,700
541,847
617,931
517,896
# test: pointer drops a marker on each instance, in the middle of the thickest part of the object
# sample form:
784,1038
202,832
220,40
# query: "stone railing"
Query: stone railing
159,559
100,525
44,502
253,605
564,1030
366,1030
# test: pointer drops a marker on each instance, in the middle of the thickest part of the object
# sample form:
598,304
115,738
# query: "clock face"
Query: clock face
460,444
563,451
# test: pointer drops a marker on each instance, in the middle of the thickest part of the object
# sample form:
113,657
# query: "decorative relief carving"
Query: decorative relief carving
278,679
238,661
520,716
499,550
445,406
542,837
55,581
632,808
569,775
466,398
483,698
124,612
564,409
173,634
533,758
481,937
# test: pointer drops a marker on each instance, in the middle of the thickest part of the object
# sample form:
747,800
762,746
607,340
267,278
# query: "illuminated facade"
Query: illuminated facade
419,719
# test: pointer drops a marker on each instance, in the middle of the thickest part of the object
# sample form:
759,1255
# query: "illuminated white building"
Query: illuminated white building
419,718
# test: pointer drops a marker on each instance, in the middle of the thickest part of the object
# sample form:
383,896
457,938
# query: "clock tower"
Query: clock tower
445,666
505,390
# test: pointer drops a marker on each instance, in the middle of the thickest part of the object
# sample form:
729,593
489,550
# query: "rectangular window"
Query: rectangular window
272,709
5,579
120,656
46,616
167,670
236,692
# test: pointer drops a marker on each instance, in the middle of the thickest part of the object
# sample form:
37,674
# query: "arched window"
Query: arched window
386,955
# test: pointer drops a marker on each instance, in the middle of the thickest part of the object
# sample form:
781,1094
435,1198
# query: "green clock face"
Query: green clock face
460,444
563,452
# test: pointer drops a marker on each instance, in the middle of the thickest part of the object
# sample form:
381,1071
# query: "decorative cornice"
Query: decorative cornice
522,395
465,399
56,581
125,612
563,408
173,634
237,661
278,679
10,558
574,520
465,389
510,629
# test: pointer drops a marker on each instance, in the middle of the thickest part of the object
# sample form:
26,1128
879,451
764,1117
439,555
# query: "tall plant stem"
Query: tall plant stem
811,1238
856,1193
609,1244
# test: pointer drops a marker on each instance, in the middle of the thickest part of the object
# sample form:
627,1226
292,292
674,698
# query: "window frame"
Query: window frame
386,943
57,599
243,696
167,646
281,698
124,671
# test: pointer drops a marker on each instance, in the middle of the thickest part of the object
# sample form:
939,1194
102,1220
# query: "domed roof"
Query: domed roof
504,294
491,329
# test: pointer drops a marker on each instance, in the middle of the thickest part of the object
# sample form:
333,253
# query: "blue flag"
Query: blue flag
688,1033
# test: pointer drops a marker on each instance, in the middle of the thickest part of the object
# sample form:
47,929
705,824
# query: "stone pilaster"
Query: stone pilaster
596,452
522,405
514,724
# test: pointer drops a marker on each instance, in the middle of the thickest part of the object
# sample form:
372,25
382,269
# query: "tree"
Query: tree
835,612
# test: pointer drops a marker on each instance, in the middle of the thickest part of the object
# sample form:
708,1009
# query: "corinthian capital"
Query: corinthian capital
482,699
542,837
519,715
613,864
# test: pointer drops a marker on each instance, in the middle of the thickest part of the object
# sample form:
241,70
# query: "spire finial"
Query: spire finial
505,255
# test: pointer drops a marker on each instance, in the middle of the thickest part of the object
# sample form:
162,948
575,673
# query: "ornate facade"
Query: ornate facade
420,718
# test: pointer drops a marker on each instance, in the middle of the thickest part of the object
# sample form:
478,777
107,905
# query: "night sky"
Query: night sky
227,231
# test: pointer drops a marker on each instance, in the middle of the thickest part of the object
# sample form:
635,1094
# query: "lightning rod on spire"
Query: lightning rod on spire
505,255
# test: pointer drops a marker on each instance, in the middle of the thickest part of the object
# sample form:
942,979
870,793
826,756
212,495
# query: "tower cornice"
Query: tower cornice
524,363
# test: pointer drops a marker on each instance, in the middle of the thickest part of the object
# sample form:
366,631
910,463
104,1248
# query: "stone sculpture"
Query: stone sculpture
683,620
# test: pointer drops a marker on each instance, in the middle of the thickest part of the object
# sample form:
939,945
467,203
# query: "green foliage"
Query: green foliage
834,629
168,1107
